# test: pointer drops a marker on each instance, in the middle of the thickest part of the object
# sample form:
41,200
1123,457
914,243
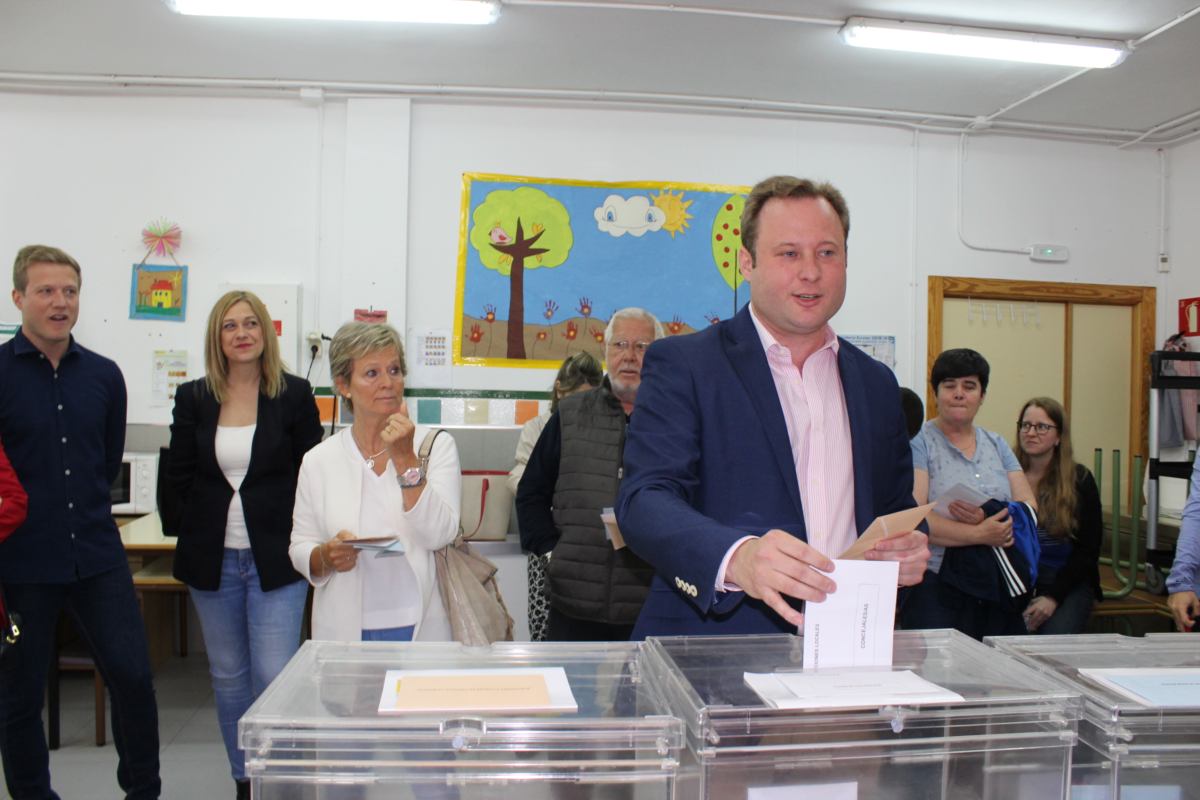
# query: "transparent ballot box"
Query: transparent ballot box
1139,737
1009,734
321,730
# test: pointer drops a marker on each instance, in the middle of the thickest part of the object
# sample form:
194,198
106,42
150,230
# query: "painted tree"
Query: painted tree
727,239
515,230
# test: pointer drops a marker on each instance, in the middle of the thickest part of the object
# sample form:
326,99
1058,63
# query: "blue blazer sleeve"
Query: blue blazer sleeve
658,507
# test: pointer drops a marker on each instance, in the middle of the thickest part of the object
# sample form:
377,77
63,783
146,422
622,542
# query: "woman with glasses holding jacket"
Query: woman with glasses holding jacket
1069,521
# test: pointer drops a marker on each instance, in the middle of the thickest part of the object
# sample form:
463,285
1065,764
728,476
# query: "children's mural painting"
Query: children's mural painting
543,263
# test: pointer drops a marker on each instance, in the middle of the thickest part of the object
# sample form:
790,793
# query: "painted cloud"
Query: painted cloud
635,215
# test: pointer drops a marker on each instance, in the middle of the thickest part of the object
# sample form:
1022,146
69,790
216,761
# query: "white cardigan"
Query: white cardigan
329,499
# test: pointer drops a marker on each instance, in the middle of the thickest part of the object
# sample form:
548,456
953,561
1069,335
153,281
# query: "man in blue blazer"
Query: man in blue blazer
764,445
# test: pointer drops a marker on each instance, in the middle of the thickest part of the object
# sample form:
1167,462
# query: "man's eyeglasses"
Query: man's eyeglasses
1040,428
624,345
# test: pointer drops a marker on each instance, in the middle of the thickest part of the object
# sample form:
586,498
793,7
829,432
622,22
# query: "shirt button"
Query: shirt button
56,376
42,356
64,440
72,536
70,505
60,406
68,472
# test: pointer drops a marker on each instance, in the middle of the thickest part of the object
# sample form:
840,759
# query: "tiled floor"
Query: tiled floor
193,762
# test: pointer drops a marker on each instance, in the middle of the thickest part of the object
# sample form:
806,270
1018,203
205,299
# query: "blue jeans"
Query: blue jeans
388,634
105,610
1072,613
249,635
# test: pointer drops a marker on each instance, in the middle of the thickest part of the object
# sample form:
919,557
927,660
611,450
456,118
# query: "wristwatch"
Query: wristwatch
412,477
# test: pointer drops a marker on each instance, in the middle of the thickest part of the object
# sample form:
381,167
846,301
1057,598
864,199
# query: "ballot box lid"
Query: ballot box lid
1003,702
322,715
1141,695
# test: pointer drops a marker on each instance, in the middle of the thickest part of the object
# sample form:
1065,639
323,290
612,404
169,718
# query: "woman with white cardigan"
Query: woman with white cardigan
368,481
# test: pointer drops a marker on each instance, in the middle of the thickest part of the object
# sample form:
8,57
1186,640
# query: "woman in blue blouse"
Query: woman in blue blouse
950,450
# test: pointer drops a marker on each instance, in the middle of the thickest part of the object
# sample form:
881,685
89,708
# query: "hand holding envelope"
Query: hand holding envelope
853,626
894,537
778,565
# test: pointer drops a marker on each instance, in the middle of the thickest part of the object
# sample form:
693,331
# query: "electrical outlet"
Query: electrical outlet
314,344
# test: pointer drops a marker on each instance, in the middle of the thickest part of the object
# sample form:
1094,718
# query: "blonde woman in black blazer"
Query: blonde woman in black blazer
237,440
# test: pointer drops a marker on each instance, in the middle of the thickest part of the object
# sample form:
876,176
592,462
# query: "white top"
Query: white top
233,445
329,497
530,433
389,586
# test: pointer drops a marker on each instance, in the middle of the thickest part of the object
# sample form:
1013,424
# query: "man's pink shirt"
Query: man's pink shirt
818,426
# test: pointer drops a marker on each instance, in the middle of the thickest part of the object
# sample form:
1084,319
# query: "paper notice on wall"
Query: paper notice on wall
168,369
429,358
880,348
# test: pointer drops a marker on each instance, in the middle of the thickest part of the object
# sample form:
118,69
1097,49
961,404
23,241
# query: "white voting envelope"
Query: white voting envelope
853,626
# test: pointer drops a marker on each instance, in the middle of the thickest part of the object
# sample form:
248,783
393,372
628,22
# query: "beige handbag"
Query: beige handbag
467,582
486,505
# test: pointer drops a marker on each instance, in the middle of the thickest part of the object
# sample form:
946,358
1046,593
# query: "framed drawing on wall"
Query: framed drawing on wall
543,263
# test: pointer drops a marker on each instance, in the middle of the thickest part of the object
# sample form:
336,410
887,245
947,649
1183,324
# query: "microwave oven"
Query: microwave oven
135,491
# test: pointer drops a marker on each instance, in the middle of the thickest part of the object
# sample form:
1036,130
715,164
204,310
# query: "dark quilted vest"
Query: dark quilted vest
588,579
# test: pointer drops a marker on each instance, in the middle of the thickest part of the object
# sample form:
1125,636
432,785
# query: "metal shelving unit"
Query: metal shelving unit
1159,559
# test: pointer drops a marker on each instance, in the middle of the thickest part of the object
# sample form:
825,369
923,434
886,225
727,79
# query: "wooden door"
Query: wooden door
1086,345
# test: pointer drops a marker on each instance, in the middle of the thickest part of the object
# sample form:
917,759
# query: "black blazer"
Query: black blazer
287,428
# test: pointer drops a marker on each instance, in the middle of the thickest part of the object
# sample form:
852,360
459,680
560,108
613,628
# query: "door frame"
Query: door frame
1139,299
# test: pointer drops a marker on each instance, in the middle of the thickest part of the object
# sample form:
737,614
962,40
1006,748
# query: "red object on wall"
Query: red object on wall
1189,316
278,323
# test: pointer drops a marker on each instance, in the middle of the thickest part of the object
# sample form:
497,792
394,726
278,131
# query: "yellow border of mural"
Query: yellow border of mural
463,243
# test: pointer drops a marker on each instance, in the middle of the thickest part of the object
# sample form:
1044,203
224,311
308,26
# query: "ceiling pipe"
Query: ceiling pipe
1133,45
931,122
1171,123
679,9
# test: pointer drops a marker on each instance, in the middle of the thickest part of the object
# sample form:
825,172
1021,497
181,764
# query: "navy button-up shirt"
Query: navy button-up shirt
64,431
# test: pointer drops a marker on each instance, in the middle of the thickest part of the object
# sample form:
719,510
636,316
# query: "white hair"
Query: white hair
633,312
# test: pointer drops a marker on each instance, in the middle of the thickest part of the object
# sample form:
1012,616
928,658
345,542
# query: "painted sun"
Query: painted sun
676,209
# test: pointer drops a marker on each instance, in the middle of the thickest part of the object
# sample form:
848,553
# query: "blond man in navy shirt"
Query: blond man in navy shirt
62,421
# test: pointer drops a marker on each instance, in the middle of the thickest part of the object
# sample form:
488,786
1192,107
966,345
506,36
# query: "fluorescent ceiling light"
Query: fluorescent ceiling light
462,12
957,40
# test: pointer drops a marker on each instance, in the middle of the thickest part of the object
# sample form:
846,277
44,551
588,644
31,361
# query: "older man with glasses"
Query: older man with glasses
595,590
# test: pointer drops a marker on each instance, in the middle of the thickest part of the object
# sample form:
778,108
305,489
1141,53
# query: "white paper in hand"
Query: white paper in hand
853,627
959,491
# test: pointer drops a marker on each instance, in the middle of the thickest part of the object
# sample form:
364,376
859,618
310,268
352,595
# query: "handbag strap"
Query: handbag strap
427,444
482,509
424,455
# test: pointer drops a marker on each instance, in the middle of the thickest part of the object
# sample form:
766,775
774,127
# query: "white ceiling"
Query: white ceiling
643,54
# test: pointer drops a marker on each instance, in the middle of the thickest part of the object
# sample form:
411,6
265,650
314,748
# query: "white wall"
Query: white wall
87,174
1183,234
359,202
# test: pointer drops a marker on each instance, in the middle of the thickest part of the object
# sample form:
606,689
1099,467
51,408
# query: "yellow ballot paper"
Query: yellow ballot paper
886,527
515,690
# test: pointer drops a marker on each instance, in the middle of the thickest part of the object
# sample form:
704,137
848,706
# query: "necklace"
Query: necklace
370,460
